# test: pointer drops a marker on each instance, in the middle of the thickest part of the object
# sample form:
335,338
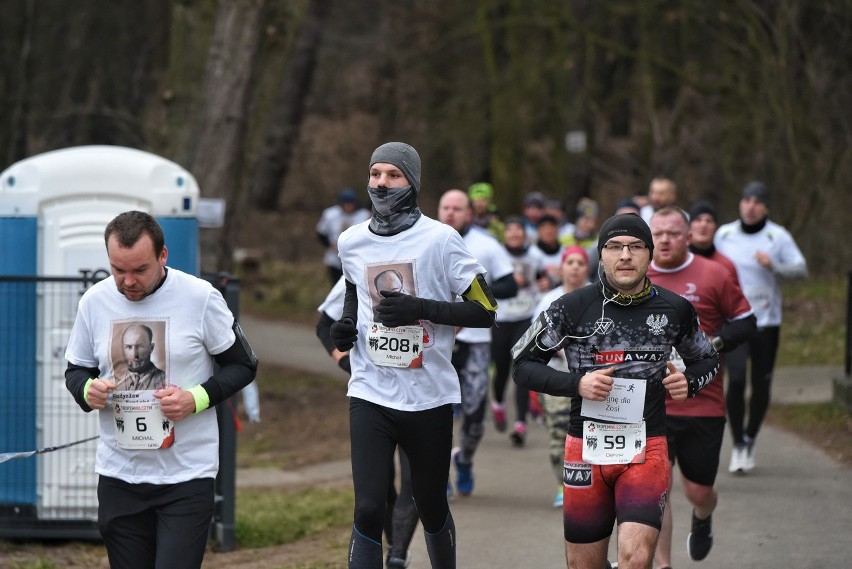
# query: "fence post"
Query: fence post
842,386
224,515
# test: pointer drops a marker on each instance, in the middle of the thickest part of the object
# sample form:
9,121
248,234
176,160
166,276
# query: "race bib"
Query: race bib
605,443
624,404
139,423
395,347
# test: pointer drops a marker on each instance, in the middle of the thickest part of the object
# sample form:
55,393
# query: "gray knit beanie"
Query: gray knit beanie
403,156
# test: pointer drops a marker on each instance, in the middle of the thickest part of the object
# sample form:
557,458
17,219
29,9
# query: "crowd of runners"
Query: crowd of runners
616,335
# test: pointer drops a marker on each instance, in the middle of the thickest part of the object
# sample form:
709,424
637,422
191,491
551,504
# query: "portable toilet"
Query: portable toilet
54,208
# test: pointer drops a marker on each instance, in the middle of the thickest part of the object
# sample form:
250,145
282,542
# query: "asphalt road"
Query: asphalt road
794,511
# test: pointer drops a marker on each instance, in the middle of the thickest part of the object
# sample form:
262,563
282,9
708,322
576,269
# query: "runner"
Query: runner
617,336
696,427
764,254
403,384
158,453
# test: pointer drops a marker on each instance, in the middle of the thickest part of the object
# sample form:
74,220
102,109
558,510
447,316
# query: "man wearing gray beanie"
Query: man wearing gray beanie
617,336
764,254
403,384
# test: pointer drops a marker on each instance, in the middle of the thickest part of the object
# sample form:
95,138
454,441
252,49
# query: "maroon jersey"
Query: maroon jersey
717,298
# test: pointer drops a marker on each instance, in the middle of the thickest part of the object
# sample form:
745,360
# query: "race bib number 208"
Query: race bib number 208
395,347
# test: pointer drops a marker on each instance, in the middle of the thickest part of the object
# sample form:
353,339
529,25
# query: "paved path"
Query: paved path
794,511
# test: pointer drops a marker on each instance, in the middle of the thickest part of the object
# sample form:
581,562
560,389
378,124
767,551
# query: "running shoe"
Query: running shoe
739,455
499,412
464,474
700,540
519,434
397,563
558,499
748,463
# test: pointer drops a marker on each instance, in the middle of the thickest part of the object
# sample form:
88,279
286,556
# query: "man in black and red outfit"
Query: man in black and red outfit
617,336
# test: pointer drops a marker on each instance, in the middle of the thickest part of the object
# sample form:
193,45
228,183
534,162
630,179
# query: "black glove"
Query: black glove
344,333
397,309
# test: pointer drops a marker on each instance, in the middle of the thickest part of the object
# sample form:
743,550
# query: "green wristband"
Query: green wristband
86,390
202,399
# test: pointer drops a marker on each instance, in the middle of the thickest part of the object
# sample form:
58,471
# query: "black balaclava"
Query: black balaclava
395,209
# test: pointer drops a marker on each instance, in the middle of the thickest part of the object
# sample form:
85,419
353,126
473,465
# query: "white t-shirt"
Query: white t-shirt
761,286
190,321
434,263
521,306
334,221
333,303
497,262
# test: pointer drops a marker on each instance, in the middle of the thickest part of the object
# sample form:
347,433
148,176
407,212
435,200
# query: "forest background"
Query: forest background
275,105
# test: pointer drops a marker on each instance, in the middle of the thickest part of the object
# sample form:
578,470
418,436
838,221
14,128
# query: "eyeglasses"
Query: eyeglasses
616,248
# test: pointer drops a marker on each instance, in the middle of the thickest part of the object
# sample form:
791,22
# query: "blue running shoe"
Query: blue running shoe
464,474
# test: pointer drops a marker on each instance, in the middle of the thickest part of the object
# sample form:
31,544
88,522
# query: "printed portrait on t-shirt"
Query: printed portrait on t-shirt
526,270
138,353
396,277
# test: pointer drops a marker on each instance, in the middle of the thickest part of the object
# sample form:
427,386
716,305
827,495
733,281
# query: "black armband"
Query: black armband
238,367
469,314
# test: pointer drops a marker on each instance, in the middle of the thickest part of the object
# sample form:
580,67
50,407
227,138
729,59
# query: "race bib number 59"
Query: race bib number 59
395,347
139,423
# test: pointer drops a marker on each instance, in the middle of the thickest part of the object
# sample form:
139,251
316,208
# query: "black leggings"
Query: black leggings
761,349
426,439
504,335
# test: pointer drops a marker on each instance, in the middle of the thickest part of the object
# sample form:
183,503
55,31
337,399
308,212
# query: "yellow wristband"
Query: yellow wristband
202,399
86,390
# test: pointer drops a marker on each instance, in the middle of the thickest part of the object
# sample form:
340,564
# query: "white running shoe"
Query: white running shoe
748,463
738,459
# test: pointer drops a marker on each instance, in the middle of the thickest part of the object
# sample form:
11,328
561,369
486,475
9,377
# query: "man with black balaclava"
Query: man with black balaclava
764,253
403,385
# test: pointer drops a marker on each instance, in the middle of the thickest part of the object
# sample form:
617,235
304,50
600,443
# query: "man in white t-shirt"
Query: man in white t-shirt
763,253
472,352
158,452
403,385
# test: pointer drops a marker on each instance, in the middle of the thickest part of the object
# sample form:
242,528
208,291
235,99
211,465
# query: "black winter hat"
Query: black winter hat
703,207
757,190
626,224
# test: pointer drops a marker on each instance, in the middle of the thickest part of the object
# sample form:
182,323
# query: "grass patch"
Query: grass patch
289,291
813,322
267,518
304,420
826,425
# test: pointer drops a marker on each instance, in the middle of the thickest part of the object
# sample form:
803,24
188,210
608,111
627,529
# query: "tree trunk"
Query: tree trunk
223,119
288,111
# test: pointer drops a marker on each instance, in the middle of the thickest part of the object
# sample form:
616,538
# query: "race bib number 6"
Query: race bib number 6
139,422
395,347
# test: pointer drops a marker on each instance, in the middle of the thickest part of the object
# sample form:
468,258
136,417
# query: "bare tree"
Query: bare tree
289,109
223,119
